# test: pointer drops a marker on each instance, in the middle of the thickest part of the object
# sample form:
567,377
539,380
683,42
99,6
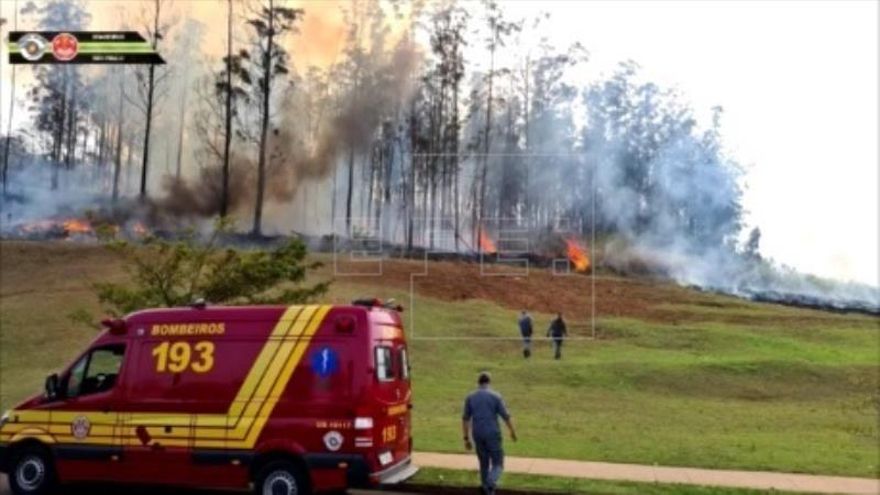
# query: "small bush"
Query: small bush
167,273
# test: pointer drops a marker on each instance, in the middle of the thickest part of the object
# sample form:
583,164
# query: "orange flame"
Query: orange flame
487,245
139,229
76,226
577,255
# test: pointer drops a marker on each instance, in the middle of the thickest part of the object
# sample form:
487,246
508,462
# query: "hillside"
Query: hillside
674,376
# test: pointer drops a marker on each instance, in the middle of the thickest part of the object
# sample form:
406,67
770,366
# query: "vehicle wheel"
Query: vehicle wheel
281,478
32,472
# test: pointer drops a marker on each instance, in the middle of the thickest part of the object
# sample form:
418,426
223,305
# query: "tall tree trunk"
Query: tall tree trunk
147,127
71,125
455,137
439,159
101,137
58,137
333,202
369,195
264,122
182,119
486,141
410,189
526,202
227,139
149,121
117,166
84,148
7,144
350,190
129,161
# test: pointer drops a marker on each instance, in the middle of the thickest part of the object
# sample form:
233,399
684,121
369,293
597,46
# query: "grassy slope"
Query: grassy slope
730,386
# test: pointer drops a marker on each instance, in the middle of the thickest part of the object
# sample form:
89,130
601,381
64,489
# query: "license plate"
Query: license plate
385,458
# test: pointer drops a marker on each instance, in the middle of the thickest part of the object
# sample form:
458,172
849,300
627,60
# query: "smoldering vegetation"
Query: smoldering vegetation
438,126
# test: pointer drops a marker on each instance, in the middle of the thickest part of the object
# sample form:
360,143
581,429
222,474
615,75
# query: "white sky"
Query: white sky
799,84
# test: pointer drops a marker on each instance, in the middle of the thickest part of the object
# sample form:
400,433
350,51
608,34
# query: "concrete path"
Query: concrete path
760,480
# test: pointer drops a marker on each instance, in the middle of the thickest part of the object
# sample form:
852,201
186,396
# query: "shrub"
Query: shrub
177,272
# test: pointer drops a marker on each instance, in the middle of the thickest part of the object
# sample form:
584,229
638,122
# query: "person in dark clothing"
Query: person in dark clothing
479,421
557,332
525,330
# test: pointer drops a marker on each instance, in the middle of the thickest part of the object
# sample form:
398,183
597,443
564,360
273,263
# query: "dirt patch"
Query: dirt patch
541,290
535,290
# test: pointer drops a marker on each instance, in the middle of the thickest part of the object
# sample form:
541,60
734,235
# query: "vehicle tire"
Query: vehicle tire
32,472
281,478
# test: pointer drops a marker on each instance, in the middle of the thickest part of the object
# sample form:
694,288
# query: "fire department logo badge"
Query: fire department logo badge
333,440
65,46
32,46
80,427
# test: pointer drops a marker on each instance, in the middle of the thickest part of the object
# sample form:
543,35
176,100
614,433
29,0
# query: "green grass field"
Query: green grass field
731,385
550,484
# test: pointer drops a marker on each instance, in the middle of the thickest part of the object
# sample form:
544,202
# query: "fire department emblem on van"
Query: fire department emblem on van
80,427
333,440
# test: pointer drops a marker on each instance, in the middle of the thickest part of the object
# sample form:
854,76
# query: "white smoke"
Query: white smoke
702,248
30,196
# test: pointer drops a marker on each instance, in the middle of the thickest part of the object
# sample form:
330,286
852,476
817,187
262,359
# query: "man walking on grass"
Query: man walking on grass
480,421
525,330
557,332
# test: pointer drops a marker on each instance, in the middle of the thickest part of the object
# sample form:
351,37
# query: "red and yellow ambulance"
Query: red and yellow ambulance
286,400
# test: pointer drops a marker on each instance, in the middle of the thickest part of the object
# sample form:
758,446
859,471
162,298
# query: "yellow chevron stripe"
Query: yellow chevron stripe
281,385
279,333
307,321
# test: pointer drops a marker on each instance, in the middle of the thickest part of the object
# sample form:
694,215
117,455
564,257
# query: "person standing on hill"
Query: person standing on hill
479,421
557,332
525,330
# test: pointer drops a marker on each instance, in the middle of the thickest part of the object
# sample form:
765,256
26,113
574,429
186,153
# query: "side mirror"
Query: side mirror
52,386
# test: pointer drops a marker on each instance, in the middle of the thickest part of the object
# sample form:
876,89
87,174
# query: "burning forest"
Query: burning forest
408,134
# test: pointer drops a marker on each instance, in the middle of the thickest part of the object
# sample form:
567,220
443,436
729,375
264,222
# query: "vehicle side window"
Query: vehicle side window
404,364
77,373
96,372
384,364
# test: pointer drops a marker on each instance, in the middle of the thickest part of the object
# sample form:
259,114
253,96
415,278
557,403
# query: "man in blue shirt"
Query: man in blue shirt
482,408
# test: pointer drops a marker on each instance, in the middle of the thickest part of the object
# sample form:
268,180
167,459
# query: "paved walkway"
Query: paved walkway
760,480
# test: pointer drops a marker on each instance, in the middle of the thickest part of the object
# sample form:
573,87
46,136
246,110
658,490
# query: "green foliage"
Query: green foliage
526,483
82,316
176,272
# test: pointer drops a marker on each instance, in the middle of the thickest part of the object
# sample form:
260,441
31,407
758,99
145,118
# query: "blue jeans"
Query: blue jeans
491,456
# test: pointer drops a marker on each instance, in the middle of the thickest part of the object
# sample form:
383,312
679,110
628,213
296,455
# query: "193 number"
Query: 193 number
389,434
179,356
